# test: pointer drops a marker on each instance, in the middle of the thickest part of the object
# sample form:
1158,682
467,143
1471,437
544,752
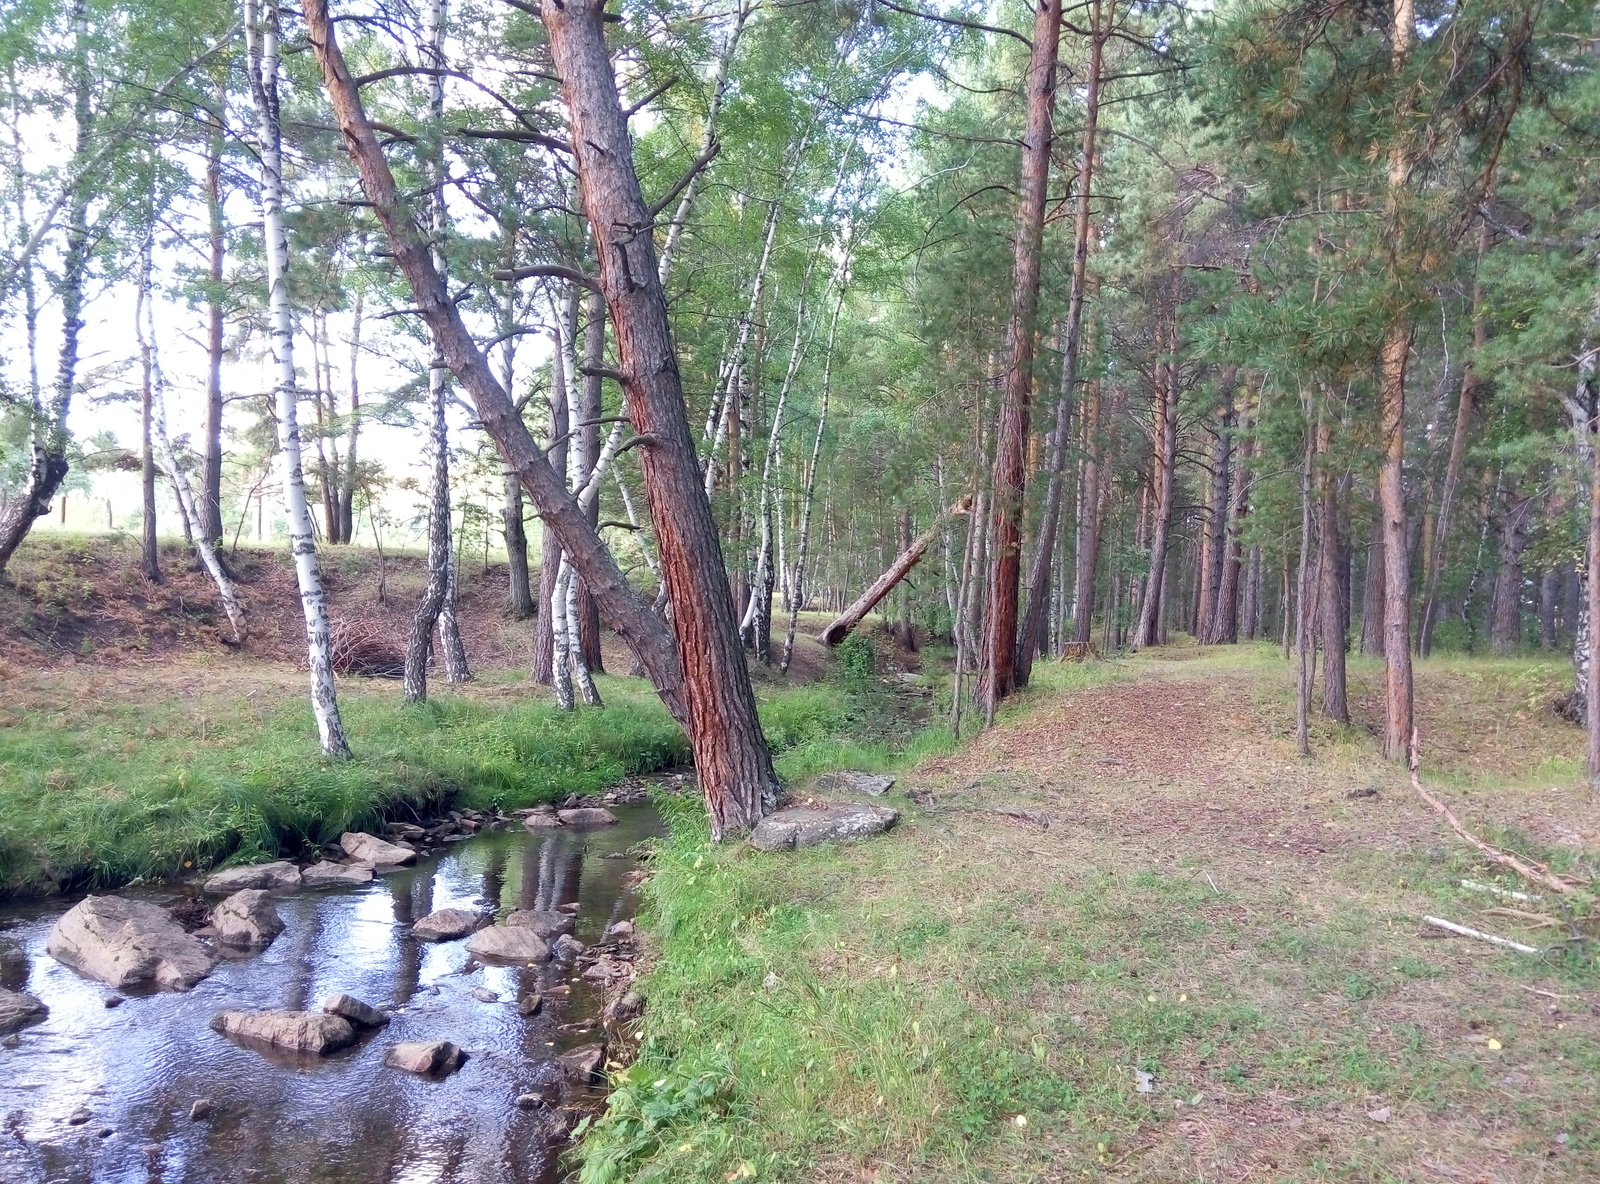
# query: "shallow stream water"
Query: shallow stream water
138,1068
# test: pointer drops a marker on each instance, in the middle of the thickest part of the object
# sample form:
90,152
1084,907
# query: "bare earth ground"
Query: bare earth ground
1267,964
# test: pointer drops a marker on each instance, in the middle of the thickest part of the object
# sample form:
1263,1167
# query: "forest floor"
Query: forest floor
1129,933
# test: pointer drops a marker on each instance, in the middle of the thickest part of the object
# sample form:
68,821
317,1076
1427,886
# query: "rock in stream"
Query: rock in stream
126,942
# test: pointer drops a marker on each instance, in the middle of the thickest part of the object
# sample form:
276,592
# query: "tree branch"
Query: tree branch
700,162
546,271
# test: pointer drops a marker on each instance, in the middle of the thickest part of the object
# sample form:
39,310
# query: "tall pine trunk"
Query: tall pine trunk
1071,346
1009,476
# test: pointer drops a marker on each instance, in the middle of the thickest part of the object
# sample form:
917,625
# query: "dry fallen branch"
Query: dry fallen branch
1533,872
1532,920
1464,931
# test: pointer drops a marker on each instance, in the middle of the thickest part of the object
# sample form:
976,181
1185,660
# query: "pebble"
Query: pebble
78,1117
200,1109
530,1101
114,1001
106,1132
530,1004
485,996
11,1041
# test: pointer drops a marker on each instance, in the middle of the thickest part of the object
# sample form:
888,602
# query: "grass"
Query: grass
106,791
975,996
114,775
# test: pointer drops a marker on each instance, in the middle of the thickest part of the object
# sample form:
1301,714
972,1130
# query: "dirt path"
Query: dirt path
1268,911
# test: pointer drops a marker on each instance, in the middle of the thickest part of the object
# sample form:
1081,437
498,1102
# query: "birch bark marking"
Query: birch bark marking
261,39
1011,444
735,767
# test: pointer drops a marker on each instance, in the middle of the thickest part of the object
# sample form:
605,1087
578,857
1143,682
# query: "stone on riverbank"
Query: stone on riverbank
297,1031
806,826
426,1058
445,925
872,784
274,877
508,943
332,875
583,1062
542,820
13,964
122,942
247,919
17,1011
370,849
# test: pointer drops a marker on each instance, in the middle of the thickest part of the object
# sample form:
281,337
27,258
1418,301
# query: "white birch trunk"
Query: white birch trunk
261,39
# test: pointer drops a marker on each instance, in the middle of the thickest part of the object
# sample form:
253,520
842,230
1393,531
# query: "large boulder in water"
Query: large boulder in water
362,1015
124,943
331,875
275,877
18,1011
13,964
586,816
446,925
297,1031
247,920
547,923
508,943
370,849
426,1058
823,822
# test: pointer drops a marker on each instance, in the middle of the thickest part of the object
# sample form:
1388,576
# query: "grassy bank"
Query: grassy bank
105,791
1133,937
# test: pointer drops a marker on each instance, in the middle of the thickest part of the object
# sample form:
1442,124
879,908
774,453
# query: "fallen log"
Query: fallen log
841,626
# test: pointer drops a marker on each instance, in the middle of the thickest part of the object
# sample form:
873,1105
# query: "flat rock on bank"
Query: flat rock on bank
822,822
18,1011
275,877
126,942
298,1031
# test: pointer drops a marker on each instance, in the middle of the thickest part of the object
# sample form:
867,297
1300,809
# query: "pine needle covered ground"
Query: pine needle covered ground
1131,935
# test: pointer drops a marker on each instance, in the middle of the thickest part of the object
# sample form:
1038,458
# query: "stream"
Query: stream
138,1067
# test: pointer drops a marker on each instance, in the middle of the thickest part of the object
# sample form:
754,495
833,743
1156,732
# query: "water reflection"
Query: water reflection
345,1119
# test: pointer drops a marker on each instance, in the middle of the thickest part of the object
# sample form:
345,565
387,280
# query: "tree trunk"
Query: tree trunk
1372,598
436,590
840,627
735,768
1148,630
594,358
1072,343
1505,629
1304,647
1549,586
1090,522
209,522
1330,614
1589,669
1009,475
150,557
261,31
352,476
1392,417
1465,404
1225,620
47,466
